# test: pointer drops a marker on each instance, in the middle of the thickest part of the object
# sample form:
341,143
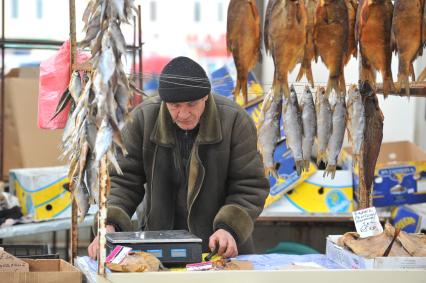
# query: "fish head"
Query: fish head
307,94
365,88
353,92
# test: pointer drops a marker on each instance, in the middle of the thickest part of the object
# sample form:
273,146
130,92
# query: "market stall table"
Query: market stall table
310,275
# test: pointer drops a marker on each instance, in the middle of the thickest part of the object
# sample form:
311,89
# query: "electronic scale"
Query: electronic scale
169,246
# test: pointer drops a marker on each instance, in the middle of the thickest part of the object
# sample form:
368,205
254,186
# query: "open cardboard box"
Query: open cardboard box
400,174
350,260
15,270
25,145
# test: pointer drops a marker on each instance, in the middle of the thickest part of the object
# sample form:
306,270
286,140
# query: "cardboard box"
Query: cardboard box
25,145
317,194
45,271
350,260
41,192
9,263
410,218
400,174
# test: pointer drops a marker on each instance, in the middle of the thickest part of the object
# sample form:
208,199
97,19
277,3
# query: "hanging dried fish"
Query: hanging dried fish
331,41
352,6
373,31
370,149
243,40
269,130
338,109
309,123
292,121
356,122
407,37
93,129
324,124
285,37
309,52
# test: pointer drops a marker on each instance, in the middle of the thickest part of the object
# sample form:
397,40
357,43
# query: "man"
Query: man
196,155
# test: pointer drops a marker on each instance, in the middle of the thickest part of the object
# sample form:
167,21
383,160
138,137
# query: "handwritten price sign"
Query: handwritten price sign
367,222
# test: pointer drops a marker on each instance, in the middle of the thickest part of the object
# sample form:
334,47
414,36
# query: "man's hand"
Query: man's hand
227,245
92,249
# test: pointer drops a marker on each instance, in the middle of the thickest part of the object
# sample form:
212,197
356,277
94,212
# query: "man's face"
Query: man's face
187,114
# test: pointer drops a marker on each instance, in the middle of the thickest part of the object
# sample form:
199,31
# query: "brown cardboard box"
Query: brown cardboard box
46,271
9,263
25,145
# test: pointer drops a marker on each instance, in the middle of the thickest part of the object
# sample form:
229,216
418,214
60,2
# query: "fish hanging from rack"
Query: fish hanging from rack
284,38
331,33
268,130
309,49
373,32
407,38
243,38
370,148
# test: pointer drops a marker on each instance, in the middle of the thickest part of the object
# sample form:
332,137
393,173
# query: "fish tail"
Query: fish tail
299,167
388,85
306,70
330,170
306,165
321,156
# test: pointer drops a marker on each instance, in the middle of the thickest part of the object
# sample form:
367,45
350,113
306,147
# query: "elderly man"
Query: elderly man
192,159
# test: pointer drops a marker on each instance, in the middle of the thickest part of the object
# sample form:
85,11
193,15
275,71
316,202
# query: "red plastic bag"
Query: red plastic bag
54,80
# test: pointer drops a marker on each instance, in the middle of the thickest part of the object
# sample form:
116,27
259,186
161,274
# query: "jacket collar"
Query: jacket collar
209,132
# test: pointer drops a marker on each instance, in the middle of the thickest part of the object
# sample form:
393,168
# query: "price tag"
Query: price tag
367,222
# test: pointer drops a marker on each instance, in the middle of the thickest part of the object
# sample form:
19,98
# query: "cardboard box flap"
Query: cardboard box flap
403,151
9,263
24,73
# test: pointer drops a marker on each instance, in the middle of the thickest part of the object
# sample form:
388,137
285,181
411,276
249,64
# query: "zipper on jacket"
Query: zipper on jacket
152,186
199,185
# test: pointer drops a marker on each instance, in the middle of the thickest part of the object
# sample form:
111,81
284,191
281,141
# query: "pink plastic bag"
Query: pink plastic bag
54,80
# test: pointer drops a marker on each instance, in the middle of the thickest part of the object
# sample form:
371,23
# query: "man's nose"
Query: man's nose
184,113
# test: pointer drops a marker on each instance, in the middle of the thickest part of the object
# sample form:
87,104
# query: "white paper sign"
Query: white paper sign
367,222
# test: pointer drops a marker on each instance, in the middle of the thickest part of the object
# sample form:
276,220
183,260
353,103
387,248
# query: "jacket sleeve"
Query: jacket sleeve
247,187
127,190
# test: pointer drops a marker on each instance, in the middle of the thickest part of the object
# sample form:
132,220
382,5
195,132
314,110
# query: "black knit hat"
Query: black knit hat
183,79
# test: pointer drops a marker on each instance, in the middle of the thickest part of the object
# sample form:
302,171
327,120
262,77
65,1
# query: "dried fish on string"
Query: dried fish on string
407,38
309,125
338,109
292,121
268,130
324,124
284,38
373,32
243,40
352,6
92,133
356,122
331,41
370,149
309,51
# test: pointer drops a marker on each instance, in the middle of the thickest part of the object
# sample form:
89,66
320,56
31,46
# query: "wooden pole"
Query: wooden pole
73,52
3,91
103,188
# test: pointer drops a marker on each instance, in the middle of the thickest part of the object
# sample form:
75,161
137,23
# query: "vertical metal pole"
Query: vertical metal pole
2,94
140,49
134,47
73,52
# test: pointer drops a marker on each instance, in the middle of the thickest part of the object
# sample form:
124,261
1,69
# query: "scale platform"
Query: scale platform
170,246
